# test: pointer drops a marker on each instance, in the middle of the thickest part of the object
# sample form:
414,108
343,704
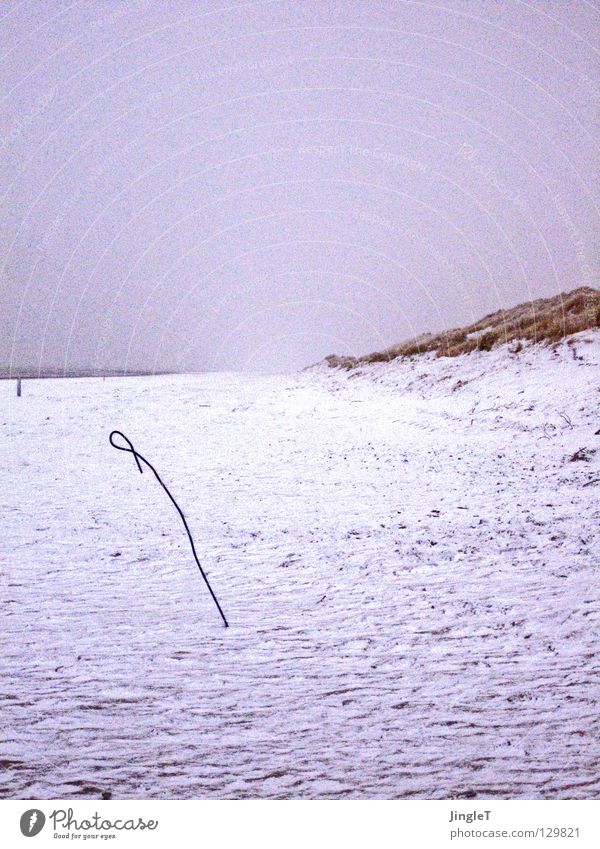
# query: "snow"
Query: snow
407,557
477,334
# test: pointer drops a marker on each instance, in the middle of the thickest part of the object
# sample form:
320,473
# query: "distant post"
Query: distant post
18,387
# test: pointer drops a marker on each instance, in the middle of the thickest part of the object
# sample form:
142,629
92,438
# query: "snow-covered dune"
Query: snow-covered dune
408,555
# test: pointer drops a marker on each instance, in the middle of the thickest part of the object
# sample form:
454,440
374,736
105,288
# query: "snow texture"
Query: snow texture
407,555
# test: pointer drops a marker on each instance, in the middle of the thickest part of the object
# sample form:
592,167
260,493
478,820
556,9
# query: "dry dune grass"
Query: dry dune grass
546,320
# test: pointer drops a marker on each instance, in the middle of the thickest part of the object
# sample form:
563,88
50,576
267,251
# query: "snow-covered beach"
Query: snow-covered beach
408,556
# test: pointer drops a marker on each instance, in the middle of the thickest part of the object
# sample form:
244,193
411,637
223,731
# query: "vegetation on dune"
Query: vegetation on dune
546,320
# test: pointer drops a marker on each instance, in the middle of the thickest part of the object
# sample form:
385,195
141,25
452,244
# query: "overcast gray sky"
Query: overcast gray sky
221,185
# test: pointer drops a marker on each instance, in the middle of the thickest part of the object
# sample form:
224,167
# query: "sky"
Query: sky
254,185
